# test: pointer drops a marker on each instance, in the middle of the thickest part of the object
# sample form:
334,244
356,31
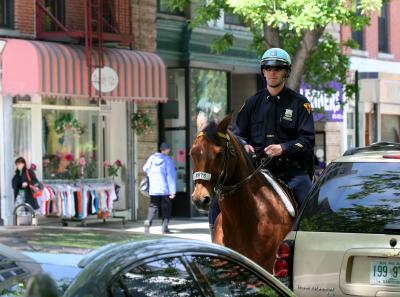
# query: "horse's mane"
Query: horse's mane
211,133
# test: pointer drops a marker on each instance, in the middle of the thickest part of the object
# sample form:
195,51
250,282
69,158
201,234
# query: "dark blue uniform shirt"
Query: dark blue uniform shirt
284,119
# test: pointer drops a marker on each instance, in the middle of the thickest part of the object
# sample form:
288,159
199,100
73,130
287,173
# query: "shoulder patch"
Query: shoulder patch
307,106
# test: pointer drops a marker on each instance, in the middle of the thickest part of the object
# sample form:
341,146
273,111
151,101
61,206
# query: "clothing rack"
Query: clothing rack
79,200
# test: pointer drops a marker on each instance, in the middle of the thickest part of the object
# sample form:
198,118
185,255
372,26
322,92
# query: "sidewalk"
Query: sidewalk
196,228
189,228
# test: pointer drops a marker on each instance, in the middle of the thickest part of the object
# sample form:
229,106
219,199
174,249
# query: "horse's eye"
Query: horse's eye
219,156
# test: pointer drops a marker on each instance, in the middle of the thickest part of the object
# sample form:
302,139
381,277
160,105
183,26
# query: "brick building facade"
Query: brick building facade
378,64
113,138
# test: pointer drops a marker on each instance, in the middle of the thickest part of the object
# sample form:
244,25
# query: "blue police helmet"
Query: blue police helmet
276,57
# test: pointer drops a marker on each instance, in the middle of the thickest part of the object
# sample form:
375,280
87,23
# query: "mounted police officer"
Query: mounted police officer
279,122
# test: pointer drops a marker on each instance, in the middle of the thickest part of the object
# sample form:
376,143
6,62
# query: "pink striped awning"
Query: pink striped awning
59,70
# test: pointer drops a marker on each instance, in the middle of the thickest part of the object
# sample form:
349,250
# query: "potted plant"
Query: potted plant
112,170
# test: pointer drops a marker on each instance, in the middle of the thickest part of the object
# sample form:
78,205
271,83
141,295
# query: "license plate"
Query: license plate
385,272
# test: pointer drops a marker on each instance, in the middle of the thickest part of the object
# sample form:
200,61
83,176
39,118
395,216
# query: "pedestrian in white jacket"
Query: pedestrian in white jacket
160,169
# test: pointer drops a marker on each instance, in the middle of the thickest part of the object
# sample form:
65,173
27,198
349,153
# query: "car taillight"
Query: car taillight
283,262
283,251
281,268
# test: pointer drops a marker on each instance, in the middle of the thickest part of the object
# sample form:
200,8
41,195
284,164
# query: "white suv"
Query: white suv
346,239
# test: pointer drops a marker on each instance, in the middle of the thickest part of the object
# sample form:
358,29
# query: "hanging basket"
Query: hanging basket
141,122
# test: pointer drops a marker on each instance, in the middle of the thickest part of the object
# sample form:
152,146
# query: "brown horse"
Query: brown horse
254,218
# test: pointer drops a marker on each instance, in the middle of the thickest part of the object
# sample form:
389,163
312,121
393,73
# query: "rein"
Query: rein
220,189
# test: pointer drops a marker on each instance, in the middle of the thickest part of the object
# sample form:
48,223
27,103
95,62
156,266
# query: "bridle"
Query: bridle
220,189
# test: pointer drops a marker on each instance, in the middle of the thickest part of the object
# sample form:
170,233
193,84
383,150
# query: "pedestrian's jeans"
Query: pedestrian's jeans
160,203
299,183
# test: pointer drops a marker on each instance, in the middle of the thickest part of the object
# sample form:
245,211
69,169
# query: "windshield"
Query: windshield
355,198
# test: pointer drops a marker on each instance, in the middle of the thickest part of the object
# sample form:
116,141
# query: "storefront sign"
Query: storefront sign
325,108
109,79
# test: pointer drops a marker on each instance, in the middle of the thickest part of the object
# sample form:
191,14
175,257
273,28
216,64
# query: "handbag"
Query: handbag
37,190
144,186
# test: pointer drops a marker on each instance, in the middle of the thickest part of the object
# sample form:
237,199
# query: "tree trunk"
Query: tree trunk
306,48
271,37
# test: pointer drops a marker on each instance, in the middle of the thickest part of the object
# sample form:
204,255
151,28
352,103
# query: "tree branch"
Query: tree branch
306,48
271,37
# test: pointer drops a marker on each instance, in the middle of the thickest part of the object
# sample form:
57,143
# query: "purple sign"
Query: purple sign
325,107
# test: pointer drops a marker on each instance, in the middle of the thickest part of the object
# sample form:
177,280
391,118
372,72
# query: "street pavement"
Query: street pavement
51,236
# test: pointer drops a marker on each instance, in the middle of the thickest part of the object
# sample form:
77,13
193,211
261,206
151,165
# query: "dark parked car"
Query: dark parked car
167,267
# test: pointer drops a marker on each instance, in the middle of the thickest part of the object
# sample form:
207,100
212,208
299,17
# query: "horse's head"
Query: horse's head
212,154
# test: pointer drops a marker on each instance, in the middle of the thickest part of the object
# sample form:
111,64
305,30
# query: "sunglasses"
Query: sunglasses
276,68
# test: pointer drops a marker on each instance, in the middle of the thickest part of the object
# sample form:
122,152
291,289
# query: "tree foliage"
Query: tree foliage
296,25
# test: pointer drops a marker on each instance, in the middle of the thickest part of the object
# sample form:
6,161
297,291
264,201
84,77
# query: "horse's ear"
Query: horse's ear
224,124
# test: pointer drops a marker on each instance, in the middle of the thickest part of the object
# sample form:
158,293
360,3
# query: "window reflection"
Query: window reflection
166,277
356,198
231,279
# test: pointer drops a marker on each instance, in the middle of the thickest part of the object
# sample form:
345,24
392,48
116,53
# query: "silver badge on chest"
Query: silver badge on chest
288,116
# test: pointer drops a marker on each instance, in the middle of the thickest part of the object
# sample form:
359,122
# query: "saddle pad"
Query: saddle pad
282,194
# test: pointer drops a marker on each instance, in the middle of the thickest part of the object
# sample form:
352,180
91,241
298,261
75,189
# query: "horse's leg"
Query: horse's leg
217,235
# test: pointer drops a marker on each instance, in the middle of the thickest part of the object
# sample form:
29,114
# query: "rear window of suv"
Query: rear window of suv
355,198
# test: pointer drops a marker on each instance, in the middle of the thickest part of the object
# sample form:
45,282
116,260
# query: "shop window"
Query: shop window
383,29
22,135
6,13
209,92
70,144
57,9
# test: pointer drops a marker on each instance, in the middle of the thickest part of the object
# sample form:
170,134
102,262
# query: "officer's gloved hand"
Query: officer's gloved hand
273,150
249,149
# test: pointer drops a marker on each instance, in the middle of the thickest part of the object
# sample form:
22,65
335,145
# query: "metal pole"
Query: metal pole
357,101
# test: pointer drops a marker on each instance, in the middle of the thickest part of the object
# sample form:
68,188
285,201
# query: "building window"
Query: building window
57,8
6,13
163,8
109,17
383,29
358,36
232,19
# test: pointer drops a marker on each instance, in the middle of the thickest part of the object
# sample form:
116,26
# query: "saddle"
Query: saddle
288,191
287,195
